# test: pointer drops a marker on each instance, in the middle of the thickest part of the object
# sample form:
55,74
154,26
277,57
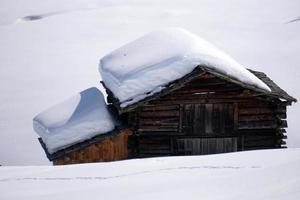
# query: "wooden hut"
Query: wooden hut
83,129
105,147
206,112
167,105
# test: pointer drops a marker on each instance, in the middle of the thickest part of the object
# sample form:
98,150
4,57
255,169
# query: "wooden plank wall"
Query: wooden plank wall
218,118
257,122
203,146
261,124
108,149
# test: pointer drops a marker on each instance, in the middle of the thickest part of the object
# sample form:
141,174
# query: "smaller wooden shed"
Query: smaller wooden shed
110,146
83,129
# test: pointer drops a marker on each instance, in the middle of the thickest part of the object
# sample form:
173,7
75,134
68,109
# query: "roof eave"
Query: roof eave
174,85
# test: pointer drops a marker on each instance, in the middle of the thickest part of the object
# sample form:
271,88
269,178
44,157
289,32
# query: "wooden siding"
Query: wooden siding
207,119
209,107
108,149
203,146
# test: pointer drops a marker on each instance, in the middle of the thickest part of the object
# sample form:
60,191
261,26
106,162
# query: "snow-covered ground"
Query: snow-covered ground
255,175
50,50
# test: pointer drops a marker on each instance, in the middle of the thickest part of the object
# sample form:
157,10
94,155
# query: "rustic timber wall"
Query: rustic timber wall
108,149
235,119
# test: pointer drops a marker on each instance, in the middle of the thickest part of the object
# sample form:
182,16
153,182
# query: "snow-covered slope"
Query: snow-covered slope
46,60
147,64
79,118
259,175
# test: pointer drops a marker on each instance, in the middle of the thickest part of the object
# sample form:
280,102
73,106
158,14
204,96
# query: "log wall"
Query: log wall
108,149
230,112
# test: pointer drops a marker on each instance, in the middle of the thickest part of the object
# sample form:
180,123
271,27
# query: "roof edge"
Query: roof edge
174,85
276,91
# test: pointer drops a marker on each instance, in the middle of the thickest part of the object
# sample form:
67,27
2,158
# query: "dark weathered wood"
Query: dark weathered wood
202,146
158,129
261,111
257,125
208,118
159,113
232,112
207,107
159,107
258,117
152,151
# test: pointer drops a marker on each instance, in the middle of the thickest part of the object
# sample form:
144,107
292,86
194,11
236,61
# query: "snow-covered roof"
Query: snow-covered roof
77,119
145,66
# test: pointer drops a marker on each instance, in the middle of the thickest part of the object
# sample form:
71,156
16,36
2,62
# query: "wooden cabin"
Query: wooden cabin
168,106
204,112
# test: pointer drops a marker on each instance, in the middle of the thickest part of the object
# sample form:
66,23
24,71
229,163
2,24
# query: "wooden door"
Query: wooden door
207,119
202,146
208,129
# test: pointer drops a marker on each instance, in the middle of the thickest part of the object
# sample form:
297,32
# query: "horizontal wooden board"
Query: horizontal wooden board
204,146
259,117
159,121
257,125
172,113
263,110
200,101
157,129
159,107
154,151
255,103
216,88
159,133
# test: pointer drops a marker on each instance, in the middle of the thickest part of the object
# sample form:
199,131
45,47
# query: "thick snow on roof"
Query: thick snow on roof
77,119
146,65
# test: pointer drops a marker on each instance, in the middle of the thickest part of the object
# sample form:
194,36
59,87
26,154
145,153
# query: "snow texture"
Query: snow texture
135,70
74,120
259,175
45,60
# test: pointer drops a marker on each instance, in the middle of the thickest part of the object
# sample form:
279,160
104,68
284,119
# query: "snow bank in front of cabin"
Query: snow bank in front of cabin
146,65
259,175
77,119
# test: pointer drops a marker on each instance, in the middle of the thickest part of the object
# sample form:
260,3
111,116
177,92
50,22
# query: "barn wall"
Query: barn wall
109,149
161,124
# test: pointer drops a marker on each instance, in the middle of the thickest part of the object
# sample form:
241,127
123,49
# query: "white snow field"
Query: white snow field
146,65
252,175
77,119
50,50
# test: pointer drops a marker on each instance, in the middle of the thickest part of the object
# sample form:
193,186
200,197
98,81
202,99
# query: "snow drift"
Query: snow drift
259,175
74,120
146,65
